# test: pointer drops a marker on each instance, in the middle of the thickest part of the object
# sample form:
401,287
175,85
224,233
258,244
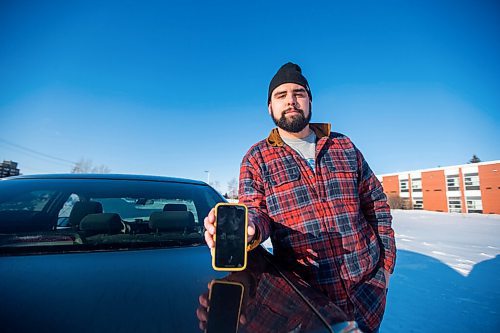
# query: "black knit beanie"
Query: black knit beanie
288,73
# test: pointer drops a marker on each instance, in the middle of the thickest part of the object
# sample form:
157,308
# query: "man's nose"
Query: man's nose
291,100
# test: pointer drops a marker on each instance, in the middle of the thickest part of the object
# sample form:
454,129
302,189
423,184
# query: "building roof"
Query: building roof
468,165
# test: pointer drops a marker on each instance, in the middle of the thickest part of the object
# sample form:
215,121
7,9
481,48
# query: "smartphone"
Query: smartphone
224,306
230,251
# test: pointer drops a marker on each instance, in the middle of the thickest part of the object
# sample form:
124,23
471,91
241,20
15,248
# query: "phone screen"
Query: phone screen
230,233
224,307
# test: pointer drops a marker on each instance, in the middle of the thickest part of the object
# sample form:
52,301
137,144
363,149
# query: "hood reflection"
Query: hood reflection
265,299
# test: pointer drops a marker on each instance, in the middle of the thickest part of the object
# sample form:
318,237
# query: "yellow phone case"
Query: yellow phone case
230,283
233,269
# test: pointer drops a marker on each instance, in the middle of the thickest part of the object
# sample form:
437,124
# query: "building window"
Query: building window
418,204
403,185
452,183
474,205
416,185
454,205
471,181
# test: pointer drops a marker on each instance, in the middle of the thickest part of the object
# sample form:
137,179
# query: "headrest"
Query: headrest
171,221
82,209
105,223
175,207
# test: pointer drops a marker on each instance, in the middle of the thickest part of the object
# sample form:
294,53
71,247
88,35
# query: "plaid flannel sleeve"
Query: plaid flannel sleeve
251,193
376,211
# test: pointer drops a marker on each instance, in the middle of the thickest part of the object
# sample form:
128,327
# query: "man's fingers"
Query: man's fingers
387,276
250,232
202,314
203,300
209,239
208,223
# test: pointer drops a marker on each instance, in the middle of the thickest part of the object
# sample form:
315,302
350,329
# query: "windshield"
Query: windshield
60,215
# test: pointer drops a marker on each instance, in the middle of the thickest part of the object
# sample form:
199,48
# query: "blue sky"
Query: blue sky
179,87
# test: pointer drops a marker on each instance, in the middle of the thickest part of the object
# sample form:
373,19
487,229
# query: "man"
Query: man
313,193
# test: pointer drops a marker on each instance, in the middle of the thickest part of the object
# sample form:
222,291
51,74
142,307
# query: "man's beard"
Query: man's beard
293,124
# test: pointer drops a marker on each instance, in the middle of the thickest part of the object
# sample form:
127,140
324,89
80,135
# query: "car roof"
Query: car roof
108,176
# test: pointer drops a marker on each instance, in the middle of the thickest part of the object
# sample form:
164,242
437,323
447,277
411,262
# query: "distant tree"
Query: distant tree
84,165
474,159
216,185
396,202
232,188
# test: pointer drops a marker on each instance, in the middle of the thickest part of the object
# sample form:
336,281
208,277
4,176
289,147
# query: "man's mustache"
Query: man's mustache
293,109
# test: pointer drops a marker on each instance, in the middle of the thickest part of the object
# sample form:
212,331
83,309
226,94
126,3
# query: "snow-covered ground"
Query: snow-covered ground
447,276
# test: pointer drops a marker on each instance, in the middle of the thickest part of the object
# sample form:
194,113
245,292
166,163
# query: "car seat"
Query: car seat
172,221
103,223
175,207
82,209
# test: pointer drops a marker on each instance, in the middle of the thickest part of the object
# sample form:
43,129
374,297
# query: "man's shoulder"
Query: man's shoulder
257,149
341,139
259,146
339,136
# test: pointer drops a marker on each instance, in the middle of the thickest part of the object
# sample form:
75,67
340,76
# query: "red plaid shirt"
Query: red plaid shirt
333,224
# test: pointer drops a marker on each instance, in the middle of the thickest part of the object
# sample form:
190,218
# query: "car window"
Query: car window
63,216
88,214
28,201
141,209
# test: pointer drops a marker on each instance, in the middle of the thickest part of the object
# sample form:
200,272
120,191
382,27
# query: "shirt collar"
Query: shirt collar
321,130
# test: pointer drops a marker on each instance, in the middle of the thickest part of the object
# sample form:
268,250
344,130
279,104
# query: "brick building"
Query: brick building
8,168
467,188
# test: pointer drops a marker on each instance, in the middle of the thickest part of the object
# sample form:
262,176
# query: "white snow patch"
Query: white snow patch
466,261
439,253
405,240
432,288
404,236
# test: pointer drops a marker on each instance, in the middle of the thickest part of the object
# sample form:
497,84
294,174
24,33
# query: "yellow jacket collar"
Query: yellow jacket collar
321,130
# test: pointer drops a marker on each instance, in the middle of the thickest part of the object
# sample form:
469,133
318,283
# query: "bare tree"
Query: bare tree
84,165
232,189
396,202
475,159
216,185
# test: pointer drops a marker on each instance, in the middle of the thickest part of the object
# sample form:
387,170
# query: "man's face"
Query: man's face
290,107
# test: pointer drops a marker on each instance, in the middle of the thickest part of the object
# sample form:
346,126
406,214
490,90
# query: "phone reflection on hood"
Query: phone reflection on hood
272,300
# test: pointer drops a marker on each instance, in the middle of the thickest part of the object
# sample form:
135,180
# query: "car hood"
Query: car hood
142,291
125,291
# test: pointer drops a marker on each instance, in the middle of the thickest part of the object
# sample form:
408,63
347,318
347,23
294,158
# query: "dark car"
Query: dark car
122,253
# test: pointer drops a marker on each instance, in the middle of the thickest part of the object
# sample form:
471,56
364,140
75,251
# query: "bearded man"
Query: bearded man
312,192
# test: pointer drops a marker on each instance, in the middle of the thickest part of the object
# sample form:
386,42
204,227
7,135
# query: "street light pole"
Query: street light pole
208,176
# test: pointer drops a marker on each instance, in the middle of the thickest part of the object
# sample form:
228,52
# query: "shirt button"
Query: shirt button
311,177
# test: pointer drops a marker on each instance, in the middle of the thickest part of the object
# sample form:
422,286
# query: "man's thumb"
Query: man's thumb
251,230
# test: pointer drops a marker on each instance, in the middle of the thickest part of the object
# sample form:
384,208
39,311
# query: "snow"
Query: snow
447,275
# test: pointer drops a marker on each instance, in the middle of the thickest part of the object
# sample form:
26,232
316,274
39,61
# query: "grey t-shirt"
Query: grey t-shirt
306,147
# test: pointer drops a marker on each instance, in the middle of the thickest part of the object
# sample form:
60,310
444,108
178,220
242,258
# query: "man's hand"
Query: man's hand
203,299
387,276
209,221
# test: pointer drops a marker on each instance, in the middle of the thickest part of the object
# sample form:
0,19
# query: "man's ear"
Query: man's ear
269,109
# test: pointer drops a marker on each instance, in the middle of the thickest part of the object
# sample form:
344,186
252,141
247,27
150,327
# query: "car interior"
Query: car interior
99,221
